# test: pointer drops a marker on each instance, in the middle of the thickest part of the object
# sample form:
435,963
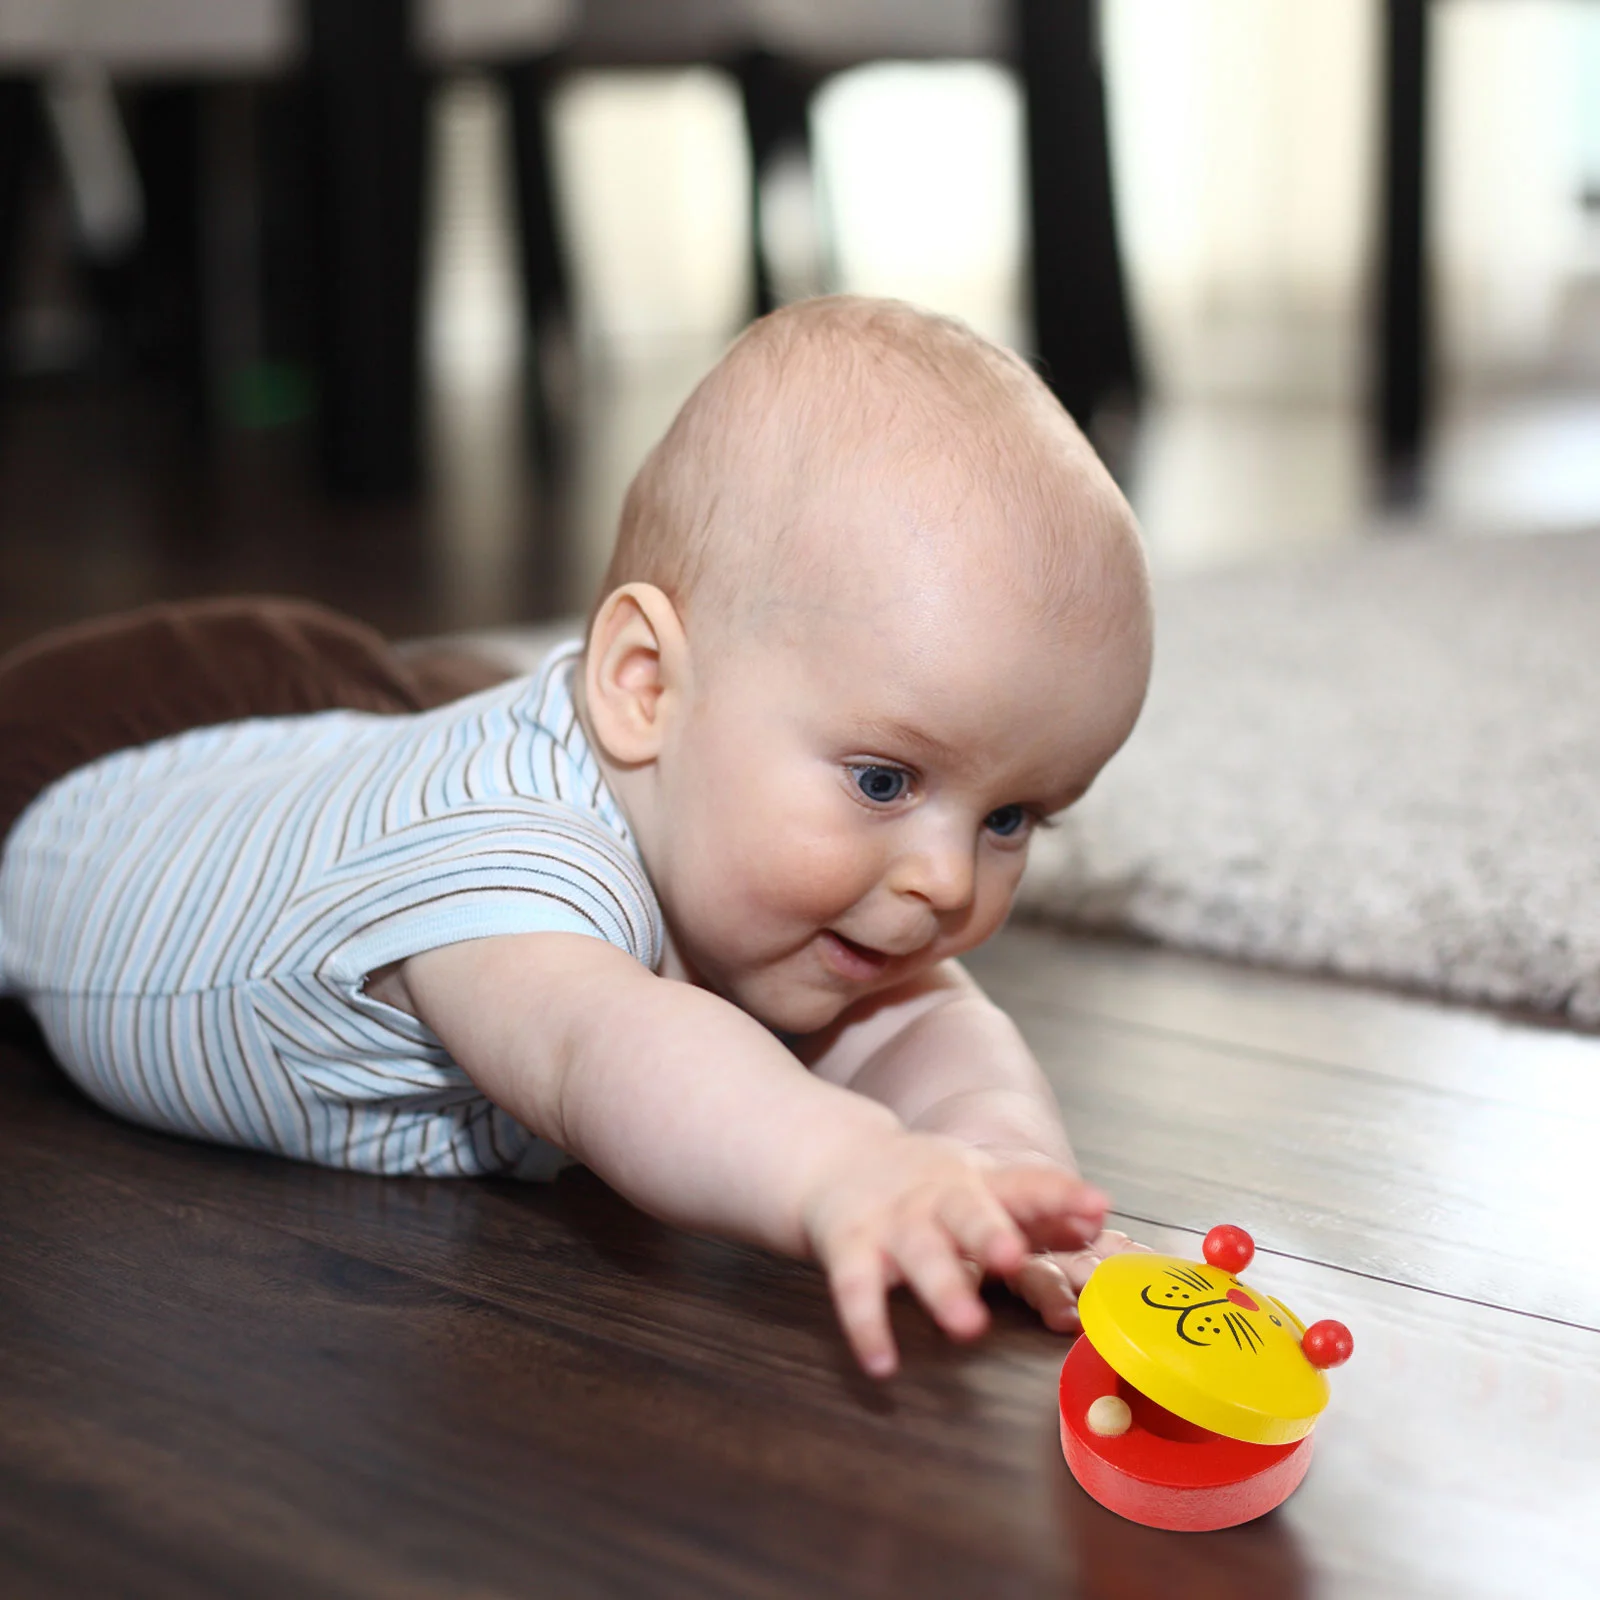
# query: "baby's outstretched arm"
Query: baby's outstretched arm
949,1062
697,1114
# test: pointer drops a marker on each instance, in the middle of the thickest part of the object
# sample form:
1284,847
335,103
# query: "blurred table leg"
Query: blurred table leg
546,275
1082,333
1403,343
167,302
19,122
777,95
367,93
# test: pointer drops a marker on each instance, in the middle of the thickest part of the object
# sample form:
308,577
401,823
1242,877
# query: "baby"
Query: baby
685,904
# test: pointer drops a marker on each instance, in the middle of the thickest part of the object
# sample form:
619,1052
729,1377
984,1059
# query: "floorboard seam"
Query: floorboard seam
1373,1277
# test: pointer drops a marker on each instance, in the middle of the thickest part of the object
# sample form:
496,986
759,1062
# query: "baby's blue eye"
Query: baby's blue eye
1006,821
881,784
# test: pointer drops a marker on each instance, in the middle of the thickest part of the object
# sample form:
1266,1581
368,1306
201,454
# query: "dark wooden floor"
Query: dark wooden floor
108,499
228,1374
222,1373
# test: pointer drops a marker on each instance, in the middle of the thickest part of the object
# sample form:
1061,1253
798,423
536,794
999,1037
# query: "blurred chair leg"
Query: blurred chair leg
546,280
1082,331
163,289
288,269
19,143
1403,354
367,94
777,101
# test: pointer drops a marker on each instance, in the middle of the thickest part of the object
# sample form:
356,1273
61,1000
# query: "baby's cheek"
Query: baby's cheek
813,878
747,862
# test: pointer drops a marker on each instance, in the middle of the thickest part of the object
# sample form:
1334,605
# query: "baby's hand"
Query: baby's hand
1051,1281
916,1208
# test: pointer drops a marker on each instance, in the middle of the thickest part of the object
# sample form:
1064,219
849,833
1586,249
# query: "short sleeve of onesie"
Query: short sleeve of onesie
193,923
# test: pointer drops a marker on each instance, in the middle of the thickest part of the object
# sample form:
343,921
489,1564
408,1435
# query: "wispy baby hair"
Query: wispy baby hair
813,397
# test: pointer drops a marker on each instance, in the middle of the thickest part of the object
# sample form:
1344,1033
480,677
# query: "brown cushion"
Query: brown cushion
82,692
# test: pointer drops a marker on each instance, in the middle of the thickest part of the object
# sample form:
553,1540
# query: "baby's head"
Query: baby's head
876,610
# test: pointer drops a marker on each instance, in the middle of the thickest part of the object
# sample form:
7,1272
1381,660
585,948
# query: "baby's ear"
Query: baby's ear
635,671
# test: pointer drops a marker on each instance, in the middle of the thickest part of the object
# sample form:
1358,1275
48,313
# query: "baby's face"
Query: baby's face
850,800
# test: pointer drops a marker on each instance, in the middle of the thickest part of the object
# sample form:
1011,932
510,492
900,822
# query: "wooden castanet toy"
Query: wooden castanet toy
1189,1398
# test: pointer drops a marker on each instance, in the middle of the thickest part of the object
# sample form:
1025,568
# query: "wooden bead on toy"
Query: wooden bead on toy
1109,1417
1228,1249
1327,1343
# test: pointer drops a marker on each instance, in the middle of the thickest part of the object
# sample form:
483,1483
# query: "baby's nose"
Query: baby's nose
940,871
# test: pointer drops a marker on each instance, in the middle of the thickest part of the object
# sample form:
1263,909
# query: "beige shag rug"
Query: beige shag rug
1383,763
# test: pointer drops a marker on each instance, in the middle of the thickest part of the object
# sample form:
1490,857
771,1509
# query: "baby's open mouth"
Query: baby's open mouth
852,960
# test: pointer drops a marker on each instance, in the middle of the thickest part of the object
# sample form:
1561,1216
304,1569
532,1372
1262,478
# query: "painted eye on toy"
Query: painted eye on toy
1327,1343
1229,1249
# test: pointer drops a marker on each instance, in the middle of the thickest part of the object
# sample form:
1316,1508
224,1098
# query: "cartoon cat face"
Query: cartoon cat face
1210,1305
1205,1344
1208,1347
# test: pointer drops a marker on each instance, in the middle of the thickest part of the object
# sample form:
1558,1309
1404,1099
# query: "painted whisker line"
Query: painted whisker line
1191,1280
1243,1334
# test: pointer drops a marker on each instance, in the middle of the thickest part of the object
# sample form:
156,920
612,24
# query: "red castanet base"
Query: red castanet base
1166,1472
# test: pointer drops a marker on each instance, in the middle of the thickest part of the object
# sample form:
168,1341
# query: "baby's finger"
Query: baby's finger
983,1229
1052,1281
1078,1264
857,1280
1043,1282
1054,1209
939,1278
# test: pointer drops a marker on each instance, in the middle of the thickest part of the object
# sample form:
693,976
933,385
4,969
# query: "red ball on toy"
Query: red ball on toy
1229,1249
1327,1344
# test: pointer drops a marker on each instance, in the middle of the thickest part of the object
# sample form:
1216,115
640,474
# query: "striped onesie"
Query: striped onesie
192,922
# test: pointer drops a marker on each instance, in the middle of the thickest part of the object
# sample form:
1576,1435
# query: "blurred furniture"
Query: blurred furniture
353,118
1403,354
70,50
782,50
350,80
368,67
1403,366
17,138
346,157
1083,338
